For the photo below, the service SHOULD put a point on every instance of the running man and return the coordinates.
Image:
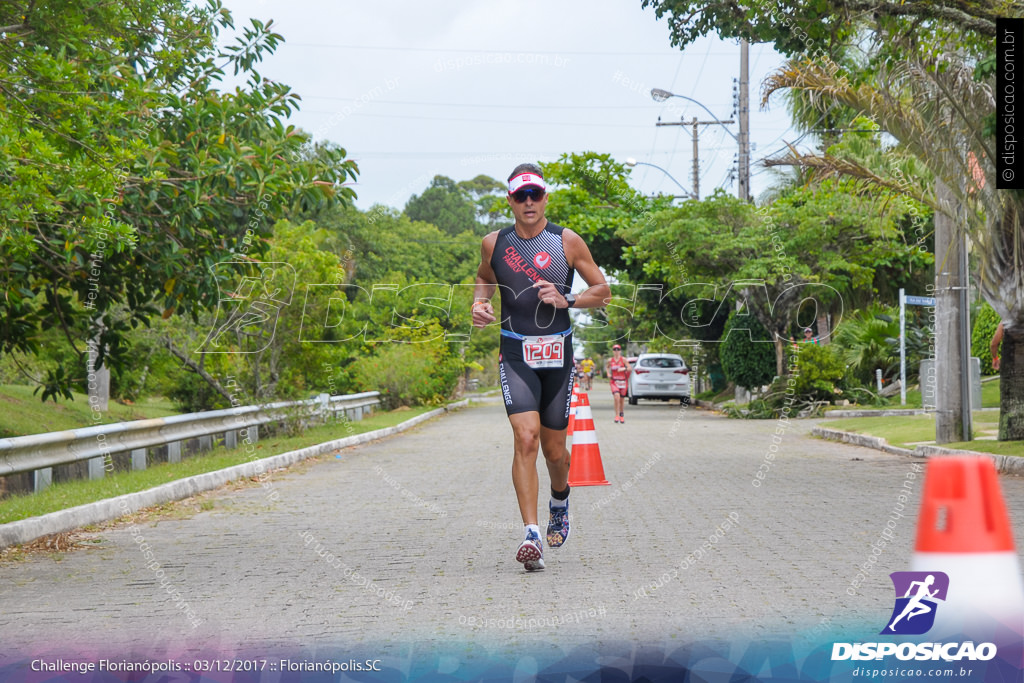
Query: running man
(915, 606)
(533, 263)
(618, 369)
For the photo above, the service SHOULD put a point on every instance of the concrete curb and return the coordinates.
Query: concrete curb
(1005, 464)
(895, 412)
(27, 530)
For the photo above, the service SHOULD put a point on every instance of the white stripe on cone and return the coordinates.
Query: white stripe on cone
(584, 437)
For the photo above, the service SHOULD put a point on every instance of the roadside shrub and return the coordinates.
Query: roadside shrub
(409, 374)
(864, 341)
(985, 324)
(819, 374)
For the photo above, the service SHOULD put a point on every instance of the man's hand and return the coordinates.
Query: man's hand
(549, 294)
(995, 363)
(483, 313)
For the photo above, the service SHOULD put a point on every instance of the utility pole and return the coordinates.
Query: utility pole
(952, 416)
(696, 166)
(744, 114)
(696, 152)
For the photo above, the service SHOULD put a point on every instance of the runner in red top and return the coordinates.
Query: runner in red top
(618, 369)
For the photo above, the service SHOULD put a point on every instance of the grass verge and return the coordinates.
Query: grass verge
(69, 494)
(908, 430)
(23, 413)
(989, 399)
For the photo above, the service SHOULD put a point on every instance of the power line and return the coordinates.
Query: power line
(402, 48)
(461, 105)
(465, 120)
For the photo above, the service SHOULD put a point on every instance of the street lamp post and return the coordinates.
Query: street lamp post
(633, 162)
(659, 95)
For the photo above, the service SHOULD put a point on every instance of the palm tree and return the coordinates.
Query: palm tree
(935, 108)
(863, 341)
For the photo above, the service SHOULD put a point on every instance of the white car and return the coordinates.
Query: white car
(661, 376)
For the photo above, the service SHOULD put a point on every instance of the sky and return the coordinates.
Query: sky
(413, 89)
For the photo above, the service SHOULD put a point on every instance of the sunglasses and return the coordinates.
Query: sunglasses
(534, 193)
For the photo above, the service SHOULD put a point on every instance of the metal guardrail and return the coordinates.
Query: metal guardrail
(40, 452)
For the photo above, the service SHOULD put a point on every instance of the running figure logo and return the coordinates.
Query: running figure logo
(914, 612)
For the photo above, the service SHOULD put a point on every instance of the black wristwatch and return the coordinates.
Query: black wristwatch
(570, 299)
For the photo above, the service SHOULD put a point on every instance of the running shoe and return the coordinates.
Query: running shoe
(558, 525)
(531, 553)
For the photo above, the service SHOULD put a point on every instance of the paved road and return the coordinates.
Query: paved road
(430, 517)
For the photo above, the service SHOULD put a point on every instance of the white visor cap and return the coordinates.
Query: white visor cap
(526, 180)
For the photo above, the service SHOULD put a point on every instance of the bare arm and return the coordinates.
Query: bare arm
(486, 284)
(997, 339)
(578, 254)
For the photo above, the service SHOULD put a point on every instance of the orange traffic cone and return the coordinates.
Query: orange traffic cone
(572, 408)
(964, 531)
(585, 468)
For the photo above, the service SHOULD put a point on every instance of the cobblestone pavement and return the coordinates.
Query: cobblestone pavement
(430, 518)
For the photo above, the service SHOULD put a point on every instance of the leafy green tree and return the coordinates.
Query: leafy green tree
(591, 195)
(445, 204)
(747, 355)
(384, 241)
(798, 27)
(824, 246)
(488, 196)
(126, 174)
(936, 99)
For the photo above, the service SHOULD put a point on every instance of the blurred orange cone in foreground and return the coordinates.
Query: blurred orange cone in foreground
(964, 530)
(585, 468)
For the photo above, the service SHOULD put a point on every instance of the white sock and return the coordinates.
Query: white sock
(532, 527)
(555, 503)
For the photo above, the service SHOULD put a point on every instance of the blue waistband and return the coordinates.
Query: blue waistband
(514, 335)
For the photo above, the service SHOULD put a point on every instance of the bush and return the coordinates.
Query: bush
(410, 373)
(190, 393)
(985, 324)
(819, 375)
(747, 359)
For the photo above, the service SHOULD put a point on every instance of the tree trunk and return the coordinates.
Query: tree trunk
(1011, 385)
(210, 379)
(780, 354)
(824, 333)
(98, 377)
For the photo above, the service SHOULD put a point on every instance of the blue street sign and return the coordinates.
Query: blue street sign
(919, 300)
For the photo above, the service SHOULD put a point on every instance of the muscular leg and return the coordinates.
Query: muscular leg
(529, 437)
(526, 428)
(556, 455)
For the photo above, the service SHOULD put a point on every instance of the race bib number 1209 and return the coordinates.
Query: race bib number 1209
(544, 352)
